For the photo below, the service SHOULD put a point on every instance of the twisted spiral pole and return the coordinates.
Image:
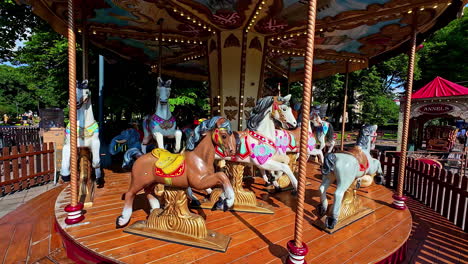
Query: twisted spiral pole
(306, 100)
(399, 199)
(72, 102)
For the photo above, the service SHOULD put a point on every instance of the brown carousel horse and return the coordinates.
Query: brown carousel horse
(194, 168)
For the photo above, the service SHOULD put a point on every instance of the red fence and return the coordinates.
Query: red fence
(25, 166)
(15, 136)
(440, 189)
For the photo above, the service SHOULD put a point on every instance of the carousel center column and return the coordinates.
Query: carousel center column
(235, 64)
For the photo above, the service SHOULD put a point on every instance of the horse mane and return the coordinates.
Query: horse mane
(258, 113)
(204, 127)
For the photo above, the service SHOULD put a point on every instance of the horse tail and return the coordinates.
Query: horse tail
(130, 156)
(328, 163)
(330, 132)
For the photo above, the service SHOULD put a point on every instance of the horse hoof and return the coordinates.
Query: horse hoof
(266, 184)
(379, 180)
(217, 205)
(330, 222)
(225, 206)
(100, 182)
(278, 189)
(117, 224)
(195, 204)
(358, 184)
(321, 210)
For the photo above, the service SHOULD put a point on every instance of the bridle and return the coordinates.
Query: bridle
(217, 138)
(277, 109)
(82, 102)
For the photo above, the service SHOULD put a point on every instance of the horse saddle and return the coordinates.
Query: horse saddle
(359, 155)
(168, 164)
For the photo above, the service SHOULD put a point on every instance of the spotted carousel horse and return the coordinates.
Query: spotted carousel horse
(194, 168)
(256, 144)
(128, 141)
(88, 133)
(162, 123)
(346, 167)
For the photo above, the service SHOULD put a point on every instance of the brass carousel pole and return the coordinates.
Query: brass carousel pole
(289, 73)
(84, 46)
(298, 249)
(74, 208)
(399, 199)
(345, 104)
(160, 23)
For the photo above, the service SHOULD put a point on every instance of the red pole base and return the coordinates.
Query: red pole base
(74, 214)
(296, 254)
(399, 202)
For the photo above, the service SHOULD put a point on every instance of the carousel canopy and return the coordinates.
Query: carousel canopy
(439, 87)
(357, 32)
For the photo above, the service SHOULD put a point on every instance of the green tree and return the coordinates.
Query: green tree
(45, 57)
(16, 22)
(444, 53)
(16, 90)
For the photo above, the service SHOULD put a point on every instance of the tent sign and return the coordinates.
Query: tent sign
(436, 109)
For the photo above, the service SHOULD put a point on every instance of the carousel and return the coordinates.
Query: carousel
(164, 209)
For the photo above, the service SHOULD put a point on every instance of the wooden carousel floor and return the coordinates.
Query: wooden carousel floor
(27, 235)
(256, 238)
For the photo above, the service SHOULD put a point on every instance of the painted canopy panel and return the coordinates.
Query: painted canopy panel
(347, 30)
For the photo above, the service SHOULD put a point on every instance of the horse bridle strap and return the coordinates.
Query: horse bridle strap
(81, 103)
(277, 108)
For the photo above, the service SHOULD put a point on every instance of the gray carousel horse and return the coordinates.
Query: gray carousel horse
(346, 167)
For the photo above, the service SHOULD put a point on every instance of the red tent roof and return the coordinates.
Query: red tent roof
(439, 87)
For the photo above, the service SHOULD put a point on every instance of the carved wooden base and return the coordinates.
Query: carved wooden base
(245, 201)
(175, 223)
(86, 185)
(351, 210)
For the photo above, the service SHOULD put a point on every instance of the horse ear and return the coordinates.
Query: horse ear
(287, 98)
(220, 121)
(84, 84)
(160, 82)
(168, 83)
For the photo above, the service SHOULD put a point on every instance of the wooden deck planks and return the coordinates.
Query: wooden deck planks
(256, 238)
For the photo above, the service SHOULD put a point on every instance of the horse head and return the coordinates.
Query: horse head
(83, 94)
(366, 136)
(221, 134)
(224, 137)
(282, 112)
(315, 117)
(164, 91)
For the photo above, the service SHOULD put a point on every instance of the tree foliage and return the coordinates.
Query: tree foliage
(16, 23)
(444, 53)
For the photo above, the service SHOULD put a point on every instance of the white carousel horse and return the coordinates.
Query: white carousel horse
(323, 131)
(256, 145)
(88, 133)
(161, 124)
(347, 167)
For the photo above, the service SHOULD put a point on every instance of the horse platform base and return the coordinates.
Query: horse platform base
(175, 223)
(245, 201)
(351, 211)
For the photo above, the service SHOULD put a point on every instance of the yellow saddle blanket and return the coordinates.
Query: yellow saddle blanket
(168, 162)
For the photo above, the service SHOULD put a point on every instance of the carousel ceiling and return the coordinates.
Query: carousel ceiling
(354, 31)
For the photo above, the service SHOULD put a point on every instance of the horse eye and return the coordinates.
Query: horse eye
(224, 136)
